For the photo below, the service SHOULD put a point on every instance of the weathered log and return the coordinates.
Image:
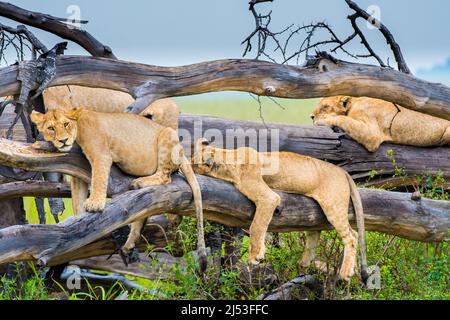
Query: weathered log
(319, 77)
(318, 142)
(388, 212)
(145, 268)
(18, 189)
(154, 233)
(285, 291)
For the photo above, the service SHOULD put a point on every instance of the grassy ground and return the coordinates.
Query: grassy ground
(408, 269)
(241, 106)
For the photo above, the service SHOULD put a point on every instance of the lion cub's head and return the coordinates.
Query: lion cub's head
(164, 112)
(58, 127)
(203, 159)
(331, 106)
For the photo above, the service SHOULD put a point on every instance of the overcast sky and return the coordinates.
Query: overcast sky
(174, 32)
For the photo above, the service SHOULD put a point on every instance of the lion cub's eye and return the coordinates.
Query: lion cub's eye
(66, 125)
(51, 129)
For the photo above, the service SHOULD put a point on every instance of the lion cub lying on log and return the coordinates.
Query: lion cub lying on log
(252, 173)
(372, 121)
(138, 145)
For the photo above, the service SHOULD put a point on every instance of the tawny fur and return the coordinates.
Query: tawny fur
(329, 185)
(164, 112)
(372, 121)
(139, 146)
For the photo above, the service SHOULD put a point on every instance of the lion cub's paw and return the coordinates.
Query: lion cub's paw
(322, 122)
(347, 271)
(155, 180)
(93, 205)
(256, 256)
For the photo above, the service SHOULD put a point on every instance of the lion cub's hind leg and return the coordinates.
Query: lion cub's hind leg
(168, 142)
(80, 192)
(336, 211)
(309, 253)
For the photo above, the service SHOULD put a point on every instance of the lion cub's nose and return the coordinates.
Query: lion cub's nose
(63, 141)
(312, 117)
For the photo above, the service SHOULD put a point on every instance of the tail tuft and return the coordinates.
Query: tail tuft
(364, 276)
(202, 262)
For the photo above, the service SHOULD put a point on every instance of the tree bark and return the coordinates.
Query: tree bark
(318, 142)
(320, 77)
(12, 213)
(58, 27)
(321, 143)
(387, 212)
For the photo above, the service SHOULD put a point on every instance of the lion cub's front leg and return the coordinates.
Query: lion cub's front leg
(168, 142)
(266, 201)
(101, 166)
(369, 136)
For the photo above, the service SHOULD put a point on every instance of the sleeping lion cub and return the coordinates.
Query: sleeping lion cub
(372, 121)
(253, 174)
(138, 145)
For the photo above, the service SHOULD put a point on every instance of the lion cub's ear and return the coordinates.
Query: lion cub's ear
(345, 100)
(74, 114)
(37, 117)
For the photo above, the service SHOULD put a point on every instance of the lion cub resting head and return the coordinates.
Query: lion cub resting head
(252, 173)
(57, 127)
(372, 121)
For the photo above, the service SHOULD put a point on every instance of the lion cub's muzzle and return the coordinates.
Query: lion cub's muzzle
(64, 145)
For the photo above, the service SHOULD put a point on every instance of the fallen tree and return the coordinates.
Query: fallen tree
(424, 220)
(318, 142)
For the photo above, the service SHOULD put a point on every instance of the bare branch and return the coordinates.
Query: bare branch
(57, 26)
(395, 47)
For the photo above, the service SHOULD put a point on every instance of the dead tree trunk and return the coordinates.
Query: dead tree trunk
(317, 142)
(322, 76)
(424, 220)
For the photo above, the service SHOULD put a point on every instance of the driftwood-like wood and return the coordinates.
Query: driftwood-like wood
(153, 267)
(57, 26)
(321, 143)
(388, 212)
(154, 234)
(18, 189)
(322, 76)
(318, 142)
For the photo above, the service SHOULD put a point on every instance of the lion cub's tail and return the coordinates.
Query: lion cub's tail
(186, 168)
(359, 213)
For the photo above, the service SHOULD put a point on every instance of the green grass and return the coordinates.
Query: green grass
(241, 106)
(31, 211)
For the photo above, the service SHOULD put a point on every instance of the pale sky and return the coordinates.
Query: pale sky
(175, 32)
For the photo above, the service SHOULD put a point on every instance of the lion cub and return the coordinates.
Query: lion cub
(253, 173)
(138, 145)
(372, 121)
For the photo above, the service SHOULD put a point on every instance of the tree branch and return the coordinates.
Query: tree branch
(426, 220)
(58, 27)
(322, 76)
(317, 142)
(395, 47)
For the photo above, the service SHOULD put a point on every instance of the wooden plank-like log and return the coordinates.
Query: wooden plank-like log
(318, 142)
(388, 212)
(154, 266)
(319, 77)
